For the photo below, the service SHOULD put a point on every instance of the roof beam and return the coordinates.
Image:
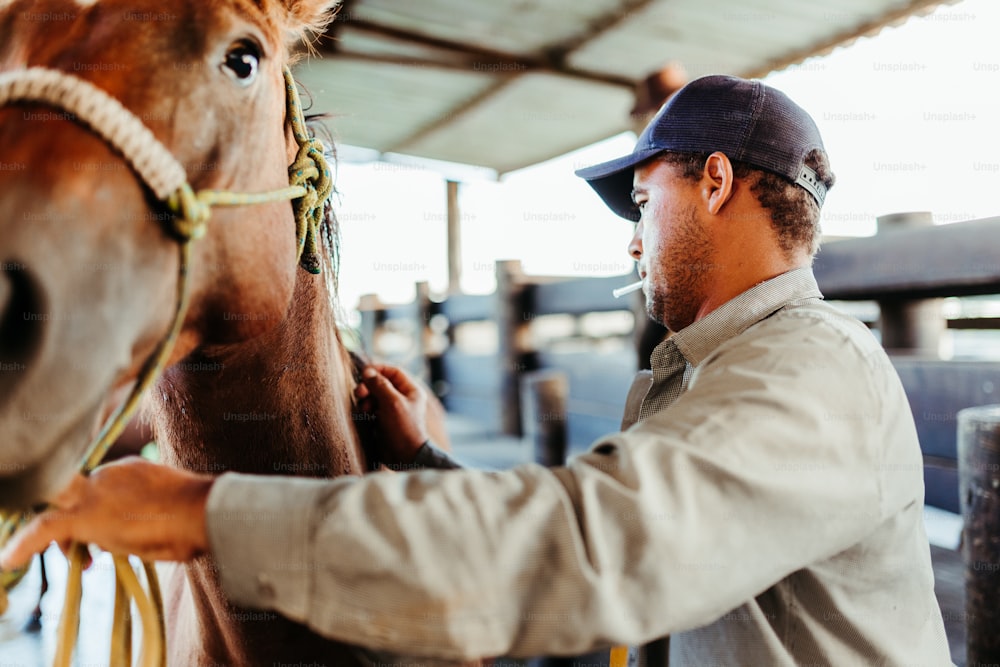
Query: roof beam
(504, 66)
(470, 55)
(597, 28)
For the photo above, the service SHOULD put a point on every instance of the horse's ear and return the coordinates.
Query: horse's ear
(312, 15)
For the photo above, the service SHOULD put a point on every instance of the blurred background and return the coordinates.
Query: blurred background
(908, 115)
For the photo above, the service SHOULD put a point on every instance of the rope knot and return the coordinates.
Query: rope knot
(191, 214)
(310, 171)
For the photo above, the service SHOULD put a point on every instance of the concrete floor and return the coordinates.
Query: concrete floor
(18, 649)
(949, 585)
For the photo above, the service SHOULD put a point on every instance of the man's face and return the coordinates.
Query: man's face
(672, 249)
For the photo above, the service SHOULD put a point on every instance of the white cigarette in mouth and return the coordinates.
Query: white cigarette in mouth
(628, 289)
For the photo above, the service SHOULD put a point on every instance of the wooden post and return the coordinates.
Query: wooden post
(369, 307)
(979, 491)
(511, 320)
(454, 240)
(421, 332)
(910, 326)
(544, 394)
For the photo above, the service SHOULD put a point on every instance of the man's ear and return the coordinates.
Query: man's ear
(309, 14)
(717, 181)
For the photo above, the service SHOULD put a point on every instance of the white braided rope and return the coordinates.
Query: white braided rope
(105, 115)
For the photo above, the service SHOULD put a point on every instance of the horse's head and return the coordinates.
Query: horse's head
(88, 262)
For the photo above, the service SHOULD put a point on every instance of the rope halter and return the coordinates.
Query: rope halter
(310, 185)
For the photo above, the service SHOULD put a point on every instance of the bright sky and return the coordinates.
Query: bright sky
(910, 118)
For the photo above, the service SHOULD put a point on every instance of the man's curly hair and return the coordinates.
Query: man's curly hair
(794, 212)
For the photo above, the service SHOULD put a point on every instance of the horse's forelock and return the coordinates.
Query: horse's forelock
(310, 15)
(299, 20)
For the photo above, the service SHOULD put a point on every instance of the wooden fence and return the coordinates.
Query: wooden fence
(476, 351)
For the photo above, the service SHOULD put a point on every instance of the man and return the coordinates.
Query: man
(765, 509)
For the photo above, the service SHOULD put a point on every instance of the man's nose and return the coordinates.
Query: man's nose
(635, 245)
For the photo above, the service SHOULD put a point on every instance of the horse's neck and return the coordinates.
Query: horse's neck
(278, 404)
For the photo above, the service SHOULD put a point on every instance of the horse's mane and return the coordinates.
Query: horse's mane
(329, 231)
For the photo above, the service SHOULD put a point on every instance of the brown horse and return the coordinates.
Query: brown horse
(259, 381)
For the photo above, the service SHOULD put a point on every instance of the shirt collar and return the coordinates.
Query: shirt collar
(732, 318)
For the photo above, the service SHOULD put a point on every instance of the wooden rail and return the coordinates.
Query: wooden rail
(906, 268)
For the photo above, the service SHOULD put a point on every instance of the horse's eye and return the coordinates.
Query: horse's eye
(241, 62)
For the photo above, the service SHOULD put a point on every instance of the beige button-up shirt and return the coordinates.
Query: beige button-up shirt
(765, 510)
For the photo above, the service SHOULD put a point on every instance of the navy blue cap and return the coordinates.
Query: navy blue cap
(747, 120)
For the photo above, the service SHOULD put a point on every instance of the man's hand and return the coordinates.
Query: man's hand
(130, 507)
(400, 405)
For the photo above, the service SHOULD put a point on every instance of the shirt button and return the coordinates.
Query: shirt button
(264, 587)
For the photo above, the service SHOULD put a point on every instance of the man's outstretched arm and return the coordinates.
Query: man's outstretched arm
(612, 548)
(131, 506)
(158, 513)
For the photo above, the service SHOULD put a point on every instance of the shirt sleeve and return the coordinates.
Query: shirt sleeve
(431, 456)
(767, 464)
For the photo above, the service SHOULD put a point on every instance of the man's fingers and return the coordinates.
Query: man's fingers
(361, 391)
(399, 378)
(34, 538)
(378, 385)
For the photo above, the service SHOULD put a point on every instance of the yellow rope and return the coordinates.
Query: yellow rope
(121, 628)
(152, 654)
(310, 186)
(619, 657)
(69, 622)
(310, 170)
(156, 597)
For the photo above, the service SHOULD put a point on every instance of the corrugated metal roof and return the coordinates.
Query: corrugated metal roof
(508, 83)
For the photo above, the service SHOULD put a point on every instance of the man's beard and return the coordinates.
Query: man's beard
(682, 266)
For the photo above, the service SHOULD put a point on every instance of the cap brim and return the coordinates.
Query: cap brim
(612, 181)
